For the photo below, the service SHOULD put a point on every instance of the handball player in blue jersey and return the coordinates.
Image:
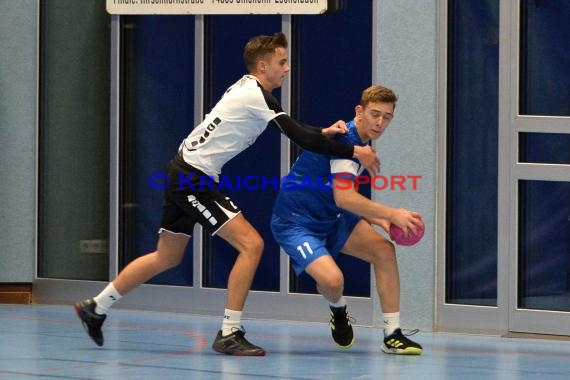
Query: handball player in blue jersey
(317, 216)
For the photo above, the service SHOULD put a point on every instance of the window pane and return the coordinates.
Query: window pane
(158, 102)
(545, 148)
(225, 39)
(544, 245)
(324, 93)
(74, 140)
(545, 57)
(472, 138)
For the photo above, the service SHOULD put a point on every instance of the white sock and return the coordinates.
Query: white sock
(391, 322)
(340, 303)
(106, 299)
(231, 322)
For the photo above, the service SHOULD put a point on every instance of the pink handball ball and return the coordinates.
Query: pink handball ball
(397, 235)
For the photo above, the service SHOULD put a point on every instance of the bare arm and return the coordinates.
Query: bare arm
(381, 222)
(348, 198)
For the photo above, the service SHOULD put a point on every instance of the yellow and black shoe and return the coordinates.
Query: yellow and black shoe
(341, 328)
(399, 344)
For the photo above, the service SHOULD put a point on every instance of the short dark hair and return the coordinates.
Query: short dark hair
(259, 46)
(378, 94)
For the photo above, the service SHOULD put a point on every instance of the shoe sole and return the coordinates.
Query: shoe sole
(348, 346)
(397, 351)
(238, 353)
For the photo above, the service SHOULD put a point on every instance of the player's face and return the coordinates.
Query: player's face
(276, 68)
(375, 118)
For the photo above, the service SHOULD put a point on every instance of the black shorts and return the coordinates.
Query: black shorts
(187, 201)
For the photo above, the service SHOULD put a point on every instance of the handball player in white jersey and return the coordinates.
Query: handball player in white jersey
(235, 122)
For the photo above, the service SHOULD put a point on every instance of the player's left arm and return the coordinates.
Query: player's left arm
(347, 197)
(381, 222)
(313, 139)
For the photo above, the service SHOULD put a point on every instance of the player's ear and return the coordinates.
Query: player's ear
(358, 111)
(259, 66)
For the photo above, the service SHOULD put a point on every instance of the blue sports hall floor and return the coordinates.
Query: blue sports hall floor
(48, 342)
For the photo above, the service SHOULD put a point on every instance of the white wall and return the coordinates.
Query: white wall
(18, 67)
(406, 56)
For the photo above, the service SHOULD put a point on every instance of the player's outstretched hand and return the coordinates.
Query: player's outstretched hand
(336, 128)
(367, 157)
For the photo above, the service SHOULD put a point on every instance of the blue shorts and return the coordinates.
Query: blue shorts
(305, 240)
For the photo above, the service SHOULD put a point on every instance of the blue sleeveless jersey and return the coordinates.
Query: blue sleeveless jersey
(306, 193)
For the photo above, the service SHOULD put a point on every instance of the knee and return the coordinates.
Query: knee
(255, 245)
(259, 245)
(333, 283)
(389, 248)
(385, 251)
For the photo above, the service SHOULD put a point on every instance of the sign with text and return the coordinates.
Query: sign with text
(219, 7)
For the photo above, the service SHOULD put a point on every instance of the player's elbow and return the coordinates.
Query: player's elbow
(340, 198)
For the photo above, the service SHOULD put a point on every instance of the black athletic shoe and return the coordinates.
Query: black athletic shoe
(341, 328)
(397, 343)
(92, 321)
(236, 344)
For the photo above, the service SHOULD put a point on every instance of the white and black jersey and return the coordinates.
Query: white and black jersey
(238, 119)
(233, 124)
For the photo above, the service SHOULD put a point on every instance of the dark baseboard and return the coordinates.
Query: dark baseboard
(511, 334)
(15, 293)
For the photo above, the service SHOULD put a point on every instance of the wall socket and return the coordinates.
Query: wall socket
(93, 246)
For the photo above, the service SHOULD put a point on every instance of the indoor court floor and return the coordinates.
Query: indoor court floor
(48, 342)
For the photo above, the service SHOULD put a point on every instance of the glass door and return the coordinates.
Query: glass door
(538, 190)
(508, 271)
